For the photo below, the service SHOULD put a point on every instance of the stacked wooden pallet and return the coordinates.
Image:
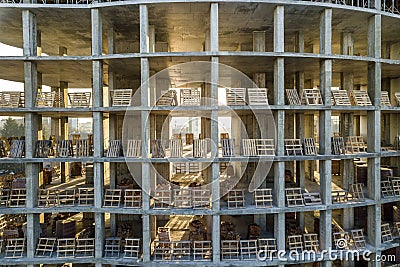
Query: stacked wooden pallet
(11, 99)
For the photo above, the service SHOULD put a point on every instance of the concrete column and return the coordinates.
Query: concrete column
(152, 39)
(31, 121)
(145, 73)
(299, 42)
(39, 43)
(374, 132)
(325, 131)
(347, 43)
(279, 99)
(98, 139)
(214, 27)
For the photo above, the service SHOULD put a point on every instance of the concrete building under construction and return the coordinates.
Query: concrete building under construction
(200, 133)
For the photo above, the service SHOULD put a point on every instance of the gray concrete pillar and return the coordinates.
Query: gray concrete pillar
(325, 131)
(374, 132)
(347, 43)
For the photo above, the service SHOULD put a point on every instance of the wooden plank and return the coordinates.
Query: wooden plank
(236, 96)
(258, 96)
(121, 97)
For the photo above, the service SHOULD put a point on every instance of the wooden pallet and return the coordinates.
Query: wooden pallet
(83, 148)
(190, 97)
(112, 198)
(17, 198)
(258, 96)
(236, 199)
(183, 198)
(386, 233)
(341, 240)
(48, 198)
(134, 149)
(80, 100)
(85, 196)
(263, 198)
(340, 98)
(45, 99)
(114, 149)
(201, 198)
(358, 239)
(295, 243)
(386, 189)
(45, 247)
(17, 149)
(310, 147)
(157, 149)
(112, 247)
(4, 197)
(396, 186)
(15, 248)
(396, 229)
(355, 144)
(65, 247)
(168, 98)
(132, 198)
(311, 97)
(339, 196)
(236, 96)
(228, 147)
(338, 146)
(360, 98)
(180, 251)
(249, 147)
(84, 248)
(357, 192)
(248, 249)
(293, 147)
(199, 148)
(311, 242)
(162, 250)
(10, 99)
(162, 198)
(202, 250)
(230, 250)
(265, 147)
(293, 97)
(132, 248)
(189, 138)
(311, 199)
(397, 97)
(64, 149)
(176, 148)
(59, 100)
(269, 246)
(66, 197)
(43, 149)
(294, 197)
(385, 100)
(121, 97)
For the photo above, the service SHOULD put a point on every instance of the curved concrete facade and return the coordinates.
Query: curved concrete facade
(278, 44)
